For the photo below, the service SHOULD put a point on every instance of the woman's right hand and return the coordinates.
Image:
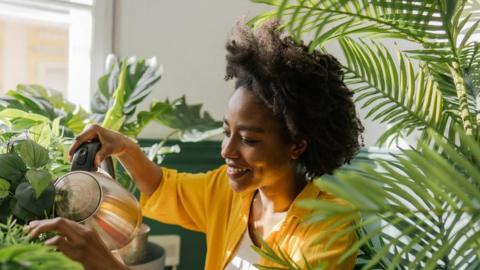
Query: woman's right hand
(113, 143)
(146, 174)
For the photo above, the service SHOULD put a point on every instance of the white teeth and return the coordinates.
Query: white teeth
(235, 170)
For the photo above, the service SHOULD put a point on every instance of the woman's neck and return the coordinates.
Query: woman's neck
(279, 197)
(267, 202)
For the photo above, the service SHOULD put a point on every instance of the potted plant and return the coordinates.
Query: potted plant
(420, 205)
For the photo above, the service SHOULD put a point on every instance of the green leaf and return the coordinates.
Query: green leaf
(35, 257)
(141, 75)
(14, 113)
(12, 167)
(19, 212)
(39, 179)
(114, 117)
(27, 199)
(42, 134)
(4, 188)
(34, 155)
(188, 119)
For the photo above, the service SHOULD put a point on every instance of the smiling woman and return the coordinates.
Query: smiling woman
(289, 119)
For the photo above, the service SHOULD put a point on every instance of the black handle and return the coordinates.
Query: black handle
(83, 159)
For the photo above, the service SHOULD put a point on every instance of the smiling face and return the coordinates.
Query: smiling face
(256, 153)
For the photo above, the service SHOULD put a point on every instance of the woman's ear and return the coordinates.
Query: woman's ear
(298, 148)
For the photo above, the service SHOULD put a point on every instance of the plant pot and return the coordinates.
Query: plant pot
(135, 252)
(154, 260)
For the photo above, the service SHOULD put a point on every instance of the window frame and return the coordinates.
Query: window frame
(101, 39)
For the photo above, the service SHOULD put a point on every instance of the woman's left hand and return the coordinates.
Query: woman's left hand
(78, 242)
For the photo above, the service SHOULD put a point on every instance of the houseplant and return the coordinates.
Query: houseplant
(420, 206)
(19, 252)
(38, 125)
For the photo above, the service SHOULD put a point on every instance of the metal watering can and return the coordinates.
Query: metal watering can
(95, 199)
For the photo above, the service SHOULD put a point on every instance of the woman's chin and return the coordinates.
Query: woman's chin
(240, 186)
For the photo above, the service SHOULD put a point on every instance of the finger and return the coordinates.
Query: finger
(91, 132)
(103, 153)
(66, 247)
(62, 226)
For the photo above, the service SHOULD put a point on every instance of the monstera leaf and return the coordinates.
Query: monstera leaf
(139, 76)
(188, 119)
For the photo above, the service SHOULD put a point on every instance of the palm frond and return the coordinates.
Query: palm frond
(406, 99)
(418, 21)
(427, 209)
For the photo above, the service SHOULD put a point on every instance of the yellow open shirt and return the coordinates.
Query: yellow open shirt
(205, 202)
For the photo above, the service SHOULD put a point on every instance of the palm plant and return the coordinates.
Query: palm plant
(420, 207)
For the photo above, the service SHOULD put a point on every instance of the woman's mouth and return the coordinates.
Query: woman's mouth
(234, 172)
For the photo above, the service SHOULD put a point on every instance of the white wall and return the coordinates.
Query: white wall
(188, 37)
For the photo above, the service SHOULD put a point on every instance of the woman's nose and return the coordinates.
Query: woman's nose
(229, 148)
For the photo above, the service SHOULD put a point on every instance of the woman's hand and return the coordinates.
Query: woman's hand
(113, 143)
(78, 242)
(146, 174)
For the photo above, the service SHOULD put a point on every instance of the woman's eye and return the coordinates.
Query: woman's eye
(249, 141)
(226, 133)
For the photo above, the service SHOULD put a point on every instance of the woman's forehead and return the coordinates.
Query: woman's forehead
(244, 106)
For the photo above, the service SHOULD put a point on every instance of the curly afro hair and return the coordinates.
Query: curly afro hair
(305, 91)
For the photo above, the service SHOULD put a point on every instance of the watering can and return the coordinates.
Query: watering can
(94, 198)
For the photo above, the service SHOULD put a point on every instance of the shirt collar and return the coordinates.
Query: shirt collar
(310, 191)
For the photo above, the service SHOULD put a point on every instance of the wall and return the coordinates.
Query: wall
(188, 38)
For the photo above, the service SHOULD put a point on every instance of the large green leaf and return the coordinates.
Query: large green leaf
(188, 119)
(19, 119)
(144, 117)
(39, 179)
(139, 77)
(34, 155)
(114, 117)
(26, 199)
(19, 212)
(12, 167)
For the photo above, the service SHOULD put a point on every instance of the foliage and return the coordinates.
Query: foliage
(420, 206)
(39, 100)
(27, 184)
(35, 257)
(41, 114)
(19, 251)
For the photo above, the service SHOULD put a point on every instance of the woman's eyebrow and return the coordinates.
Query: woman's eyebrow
(246, 127)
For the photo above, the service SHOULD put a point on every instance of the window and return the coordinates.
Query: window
(60, 44)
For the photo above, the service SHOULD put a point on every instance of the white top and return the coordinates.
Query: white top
(245, 257)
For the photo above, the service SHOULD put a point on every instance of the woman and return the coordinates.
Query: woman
(291, 118)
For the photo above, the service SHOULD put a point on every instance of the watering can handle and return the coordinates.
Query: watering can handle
(84, 157)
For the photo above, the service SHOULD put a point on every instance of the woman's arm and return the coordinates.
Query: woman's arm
(146, 174)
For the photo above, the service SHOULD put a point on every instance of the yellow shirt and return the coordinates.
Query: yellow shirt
(205, 202)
